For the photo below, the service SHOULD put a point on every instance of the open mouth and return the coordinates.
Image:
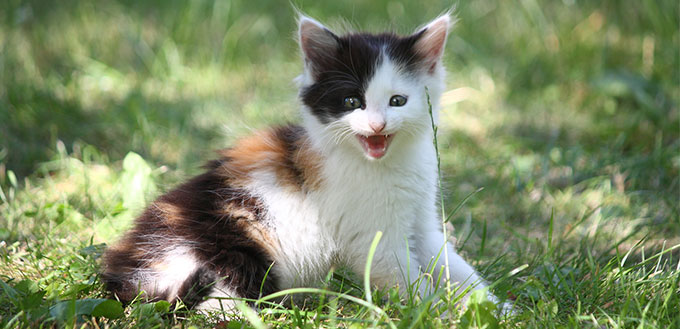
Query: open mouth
(375, 146)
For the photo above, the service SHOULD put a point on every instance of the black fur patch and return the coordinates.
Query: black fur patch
(347, 72)
(199, 222)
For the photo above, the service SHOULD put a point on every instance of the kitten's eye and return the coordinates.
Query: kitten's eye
(397, 100)
(352, 102)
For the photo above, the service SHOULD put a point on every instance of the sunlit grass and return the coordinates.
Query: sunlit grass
(564, 112)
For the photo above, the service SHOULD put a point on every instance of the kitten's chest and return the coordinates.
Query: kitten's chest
(316, 228)
(362, 200)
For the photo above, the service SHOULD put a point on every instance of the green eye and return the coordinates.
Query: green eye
(352, 102)
(397, 100)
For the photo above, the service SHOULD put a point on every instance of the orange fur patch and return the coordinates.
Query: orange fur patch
(170, 213)
(249, 223)
(261, 235)
(284, 151)
(310, 161)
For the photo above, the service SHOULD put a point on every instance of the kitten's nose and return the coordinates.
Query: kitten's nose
(377, 126)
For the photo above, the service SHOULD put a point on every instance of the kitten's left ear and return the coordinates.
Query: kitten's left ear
(431, 41)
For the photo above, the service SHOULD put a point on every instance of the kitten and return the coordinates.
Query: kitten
(289, 203)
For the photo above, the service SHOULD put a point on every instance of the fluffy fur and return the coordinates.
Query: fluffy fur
(295, 201)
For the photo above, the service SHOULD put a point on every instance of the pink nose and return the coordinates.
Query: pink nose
(377, 126)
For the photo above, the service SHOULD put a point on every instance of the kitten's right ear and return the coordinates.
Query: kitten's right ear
(432, 39)
(316, 41)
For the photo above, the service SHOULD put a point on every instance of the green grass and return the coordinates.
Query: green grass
(564, 112)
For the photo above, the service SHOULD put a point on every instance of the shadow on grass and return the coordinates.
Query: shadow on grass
(35, 121)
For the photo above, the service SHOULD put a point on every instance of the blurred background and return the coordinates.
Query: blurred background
(563, 109)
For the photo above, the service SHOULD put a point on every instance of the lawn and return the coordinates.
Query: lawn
(559, 141)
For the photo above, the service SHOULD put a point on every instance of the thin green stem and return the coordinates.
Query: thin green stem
(441, 192)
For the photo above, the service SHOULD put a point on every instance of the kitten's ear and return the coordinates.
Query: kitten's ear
(316, 41)
(431, 41)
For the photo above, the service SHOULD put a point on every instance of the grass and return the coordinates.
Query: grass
(559, 144)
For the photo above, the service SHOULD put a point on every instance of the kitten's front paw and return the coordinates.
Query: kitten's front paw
(483, 296)
(504, 309)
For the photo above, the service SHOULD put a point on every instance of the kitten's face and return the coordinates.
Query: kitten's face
(367, 91)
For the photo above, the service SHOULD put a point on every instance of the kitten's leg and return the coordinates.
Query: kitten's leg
(393, 264)
(221, 298)
(203, 290)
(175, 274)
(159, 274)
(429, 240)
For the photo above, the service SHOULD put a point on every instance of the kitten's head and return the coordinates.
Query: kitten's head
(367, 92)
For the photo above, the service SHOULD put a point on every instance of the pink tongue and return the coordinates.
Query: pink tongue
(377, 145)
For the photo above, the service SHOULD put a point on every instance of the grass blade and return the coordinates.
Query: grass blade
(369, 261)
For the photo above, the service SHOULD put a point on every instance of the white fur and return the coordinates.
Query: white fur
(168, 272)
(221, 299)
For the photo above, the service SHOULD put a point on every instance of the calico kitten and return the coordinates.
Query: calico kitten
(291, 202)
